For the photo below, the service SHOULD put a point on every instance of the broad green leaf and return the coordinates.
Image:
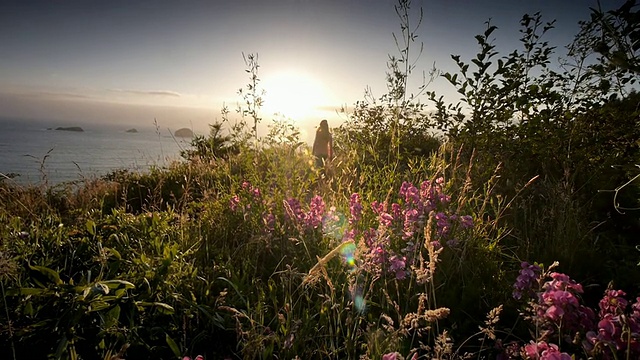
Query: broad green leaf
(112, 316)
(51, 275)
(172, 344)
(91, 227)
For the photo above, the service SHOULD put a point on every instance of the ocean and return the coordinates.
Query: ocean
(37, 152)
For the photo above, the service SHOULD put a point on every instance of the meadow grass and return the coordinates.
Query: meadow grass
(256, 255)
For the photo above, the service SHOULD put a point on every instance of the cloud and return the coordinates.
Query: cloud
(50, 95)
(147, 92)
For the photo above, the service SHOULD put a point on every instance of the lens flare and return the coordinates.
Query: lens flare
(334, 224)
(348, 252)
(359, 302)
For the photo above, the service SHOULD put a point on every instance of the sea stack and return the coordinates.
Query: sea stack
(184, 133)
(70, 128)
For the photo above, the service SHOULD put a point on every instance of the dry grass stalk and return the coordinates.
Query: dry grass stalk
(319, 268)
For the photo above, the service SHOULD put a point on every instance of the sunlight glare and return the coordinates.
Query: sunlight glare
(293, 94)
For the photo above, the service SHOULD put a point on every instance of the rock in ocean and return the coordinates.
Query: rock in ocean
(70, 128)
(184, 132)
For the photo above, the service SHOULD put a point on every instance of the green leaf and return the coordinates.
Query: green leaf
(51, 275)
(28, 309)
(113, 253)
(91, 227)
(25, 291)
(114, 284)
(162, 307)
(98, 305)
(112, 316)
(172, 344)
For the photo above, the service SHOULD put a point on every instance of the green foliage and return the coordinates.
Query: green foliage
(393, 128)
(577, 139)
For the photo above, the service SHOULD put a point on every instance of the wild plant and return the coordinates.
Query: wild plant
(561, 325)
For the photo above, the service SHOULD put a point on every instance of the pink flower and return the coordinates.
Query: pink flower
(390, 356)
(233, 203)
(355, 207)
(410, 193)
(397, 266)
(386, 219)
(554, 312)
(544, 351)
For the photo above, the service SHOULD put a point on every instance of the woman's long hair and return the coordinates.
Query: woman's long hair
(323, 131)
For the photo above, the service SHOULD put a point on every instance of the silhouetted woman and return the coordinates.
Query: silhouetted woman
(323, 144)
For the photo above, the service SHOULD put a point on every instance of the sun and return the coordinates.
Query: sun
(293, 94)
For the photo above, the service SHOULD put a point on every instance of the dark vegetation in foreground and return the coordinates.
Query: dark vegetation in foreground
(412, 246)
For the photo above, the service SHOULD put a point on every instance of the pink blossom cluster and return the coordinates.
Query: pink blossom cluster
(543, 351)
(617, 331)
(310, 219)
(355, 208)
(400, 225)
(247, 192)
(559, 307)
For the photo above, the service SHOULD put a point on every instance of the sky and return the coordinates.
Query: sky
(128, 62)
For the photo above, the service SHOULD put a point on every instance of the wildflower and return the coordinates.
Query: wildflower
(616, 331)
(558, 305)
(378, 208)
(349, 235)
(269, 221)
(613, 302)
(355, 207)
(397, 266)
(466, 221)
(410, 193)
(444, 199)
(391, 356)
(386, 219)
(316, 210)
(294, 210)
(396, 211)
(528, 276)
(411, 217)
(442, 224)
(544, 351)
(233, 203)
